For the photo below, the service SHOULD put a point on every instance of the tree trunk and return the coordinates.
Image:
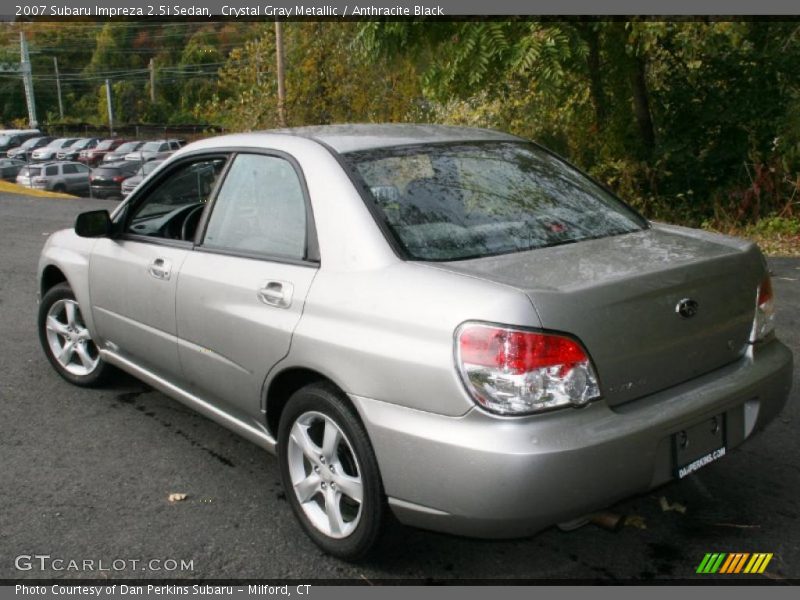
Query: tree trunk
(592, 39)
(280, 73)
(641, 103)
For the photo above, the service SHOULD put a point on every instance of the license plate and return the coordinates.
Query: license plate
(699, 445)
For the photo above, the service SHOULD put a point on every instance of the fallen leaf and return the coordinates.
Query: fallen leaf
(635, 521)
(666, 506)
(176, 497)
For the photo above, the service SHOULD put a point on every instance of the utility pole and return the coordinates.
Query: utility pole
(58, 87)
(27, 80)
(152, 81)
(110, 110)
(280, 73)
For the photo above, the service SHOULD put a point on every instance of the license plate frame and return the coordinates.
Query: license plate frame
(699, 445)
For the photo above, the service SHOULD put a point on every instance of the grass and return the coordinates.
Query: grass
(776, 236)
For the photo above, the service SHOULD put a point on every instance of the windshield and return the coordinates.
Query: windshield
(105, 145)
(81, 144)
(4, 139)
(153, 146)
(30, 143)
(458, 201)
(128, 147)
(149, 167)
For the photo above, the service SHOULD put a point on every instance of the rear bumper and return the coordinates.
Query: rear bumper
(102, 191)
(495, 477)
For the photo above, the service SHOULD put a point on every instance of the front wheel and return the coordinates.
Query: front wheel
(66, 341)
(330, 473)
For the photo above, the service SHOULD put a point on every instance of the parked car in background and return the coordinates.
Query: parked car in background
(72, 152)
(453, 324)
(151, 149)
(24, 151)
(67, 177)
(11, 139)
(106, 180)
(123, 149)
(94, 156)
(52, 149)
(9, 168)
(144, 170)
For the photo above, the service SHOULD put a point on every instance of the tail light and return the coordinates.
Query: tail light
(515, 372)
(764, 322)
(119, 178)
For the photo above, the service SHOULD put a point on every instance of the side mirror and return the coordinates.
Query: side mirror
(95, 223)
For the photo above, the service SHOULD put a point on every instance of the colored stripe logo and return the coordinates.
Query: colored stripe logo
(734, 562)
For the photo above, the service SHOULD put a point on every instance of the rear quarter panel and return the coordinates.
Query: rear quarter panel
(388, 334)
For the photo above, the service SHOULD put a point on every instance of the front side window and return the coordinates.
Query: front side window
(260, 209)
(69, 169)
(172, 208)
(467, 200)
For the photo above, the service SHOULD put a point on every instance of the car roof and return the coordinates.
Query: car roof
(354, 137)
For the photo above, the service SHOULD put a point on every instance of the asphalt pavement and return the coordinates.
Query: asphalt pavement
(86, 474)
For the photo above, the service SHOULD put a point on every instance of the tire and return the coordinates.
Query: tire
(315, 478)
(61, 325)
(59, 188)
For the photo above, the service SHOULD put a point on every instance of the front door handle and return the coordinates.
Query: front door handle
(160, 268)
(276, 293)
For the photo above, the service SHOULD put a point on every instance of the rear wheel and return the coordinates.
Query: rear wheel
(59, 187)
(66, 341)
(330, 473)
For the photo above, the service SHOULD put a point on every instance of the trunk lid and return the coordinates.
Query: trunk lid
(619, 296)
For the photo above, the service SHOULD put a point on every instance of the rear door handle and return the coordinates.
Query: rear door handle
(276, 293)
(160, 268)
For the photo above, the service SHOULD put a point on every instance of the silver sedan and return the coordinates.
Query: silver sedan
(454, 325)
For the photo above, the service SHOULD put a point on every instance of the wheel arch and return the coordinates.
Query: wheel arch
(285, 383)
(51, 277)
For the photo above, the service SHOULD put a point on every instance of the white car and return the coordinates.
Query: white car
(52, 149)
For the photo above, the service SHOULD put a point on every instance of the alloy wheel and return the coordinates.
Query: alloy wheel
(69, 340)
(325, 474)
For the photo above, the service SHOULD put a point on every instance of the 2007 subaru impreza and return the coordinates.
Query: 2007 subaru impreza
(452, 324)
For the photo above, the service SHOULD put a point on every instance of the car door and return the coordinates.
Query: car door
(70, 176)
(133, 276)
(241, 293)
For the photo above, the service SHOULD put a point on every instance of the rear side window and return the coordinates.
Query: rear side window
(51, 170)
(69, 169)
(459, 201)
(260, 209)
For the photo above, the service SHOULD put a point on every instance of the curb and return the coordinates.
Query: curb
(13, 188)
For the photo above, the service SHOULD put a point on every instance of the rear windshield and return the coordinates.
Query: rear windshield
(459, 201)
(30, 171)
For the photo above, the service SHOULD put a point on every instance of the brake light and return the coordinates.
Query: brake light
(512, 372)
(764, 322)
(118, 178)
